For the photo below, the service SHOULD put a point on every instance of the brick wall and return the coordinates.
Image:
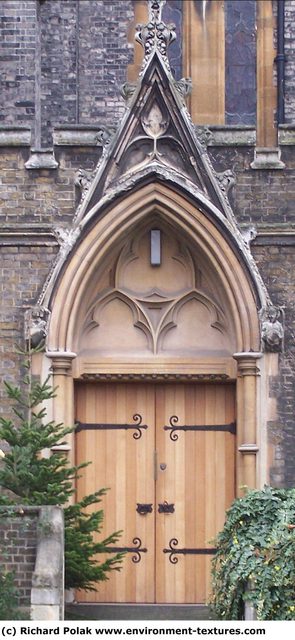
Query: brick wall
(277, 267)
(266, 199)
(290, 61)
(104, 53)
(83, 58)
(17, 59)
(59, 60)
(18, 543)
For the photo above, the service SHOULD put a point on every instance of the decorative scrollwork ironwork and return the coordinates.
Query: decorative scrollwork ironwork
(172, 557)
(138, 419)
(173, 551)
(173, 427)
(137, 550)
(138, 426)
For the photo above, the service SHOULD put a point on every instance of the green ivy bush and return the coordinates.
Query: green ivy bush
(256, 548)
(8, 597)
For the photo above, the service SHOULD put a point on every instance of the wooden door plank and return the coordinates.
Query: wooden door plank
(199, 479)
(118, 459)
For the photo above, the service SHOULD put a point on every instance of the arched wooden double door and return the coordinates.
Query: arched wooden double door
(166, 452)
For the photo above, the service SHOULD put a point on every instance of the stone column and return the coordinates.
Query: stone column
(63, 403)
(247, 409)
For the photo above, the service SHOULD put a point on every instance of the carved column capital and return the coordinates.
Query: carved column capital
(247, 363)
(61, 362)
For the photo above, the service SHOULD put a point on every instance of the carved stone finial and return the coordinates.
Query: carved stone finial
(36, 325)
(272, 331)
(155, 35)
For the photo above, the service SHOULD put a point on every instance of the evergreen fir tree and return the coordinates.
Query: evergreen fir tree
(32, 474)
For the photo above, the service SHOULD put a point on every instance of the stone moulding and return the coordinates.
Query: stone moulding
(231, 136)
(77, 135)
(15, 136)
(286, 134)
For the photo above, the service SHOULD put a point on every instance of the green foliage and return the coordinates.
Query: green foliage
(8, 598)
(81, 566)
(257, 547)
(31, 478)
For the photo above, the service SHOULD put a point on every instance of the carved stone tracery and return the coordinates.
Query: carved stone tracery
(154, 313)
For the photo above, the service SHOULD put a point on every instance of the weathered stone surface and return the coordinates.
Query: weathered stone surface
(48, 577)
(267, 158)
(13, 136)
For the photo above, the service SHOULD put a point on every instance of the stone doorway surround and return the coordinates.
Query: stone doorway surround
(249, 364)
(156, 167)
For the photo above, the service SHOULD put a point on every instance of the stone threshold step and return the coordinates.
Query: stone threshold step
(137, 612)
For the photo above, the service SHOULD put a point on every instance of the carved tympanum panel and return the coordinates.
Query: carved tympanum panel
(172, 309)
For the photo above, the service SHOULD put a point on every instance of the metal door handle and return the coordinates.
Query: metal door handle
(164, 507)
(143, 509)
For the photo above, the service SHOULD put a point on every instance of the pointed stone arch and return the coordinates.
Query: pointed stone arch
(216, 244)
(241, 293)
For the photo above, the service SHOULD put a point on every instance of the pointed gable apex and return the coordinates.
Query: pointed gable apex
(156, 135)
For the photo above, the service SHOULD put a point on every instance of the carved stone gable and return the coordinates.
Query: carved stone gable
(155, 143)
(156, 137)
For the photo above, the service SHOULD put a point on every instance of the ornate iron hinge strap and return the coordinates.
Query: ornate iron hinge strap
(174, 426)
(84, 426)
(137, 550)
(173, 551)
